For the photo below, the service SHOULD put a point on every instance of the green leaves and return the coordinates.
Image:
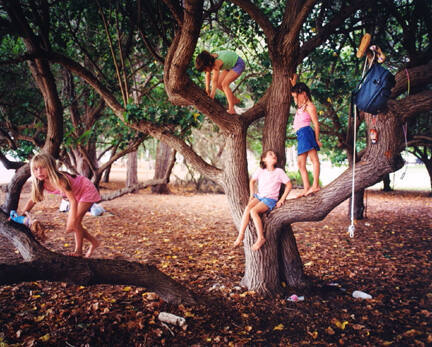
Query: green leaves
(181, 119)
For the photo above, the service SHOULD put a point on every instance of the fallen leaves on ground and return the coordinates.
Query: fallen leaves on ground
(189, 237)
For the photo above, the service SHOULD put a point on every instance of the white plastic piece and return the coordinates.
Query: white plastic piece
(96, 210)
(64, 206)
(361, 295)
(171, 319)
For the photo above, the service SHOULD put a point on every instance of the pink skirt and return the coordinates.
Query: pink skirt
(84, 190)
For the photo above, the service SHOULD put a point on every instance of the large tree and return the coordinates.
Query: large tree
(289, 40)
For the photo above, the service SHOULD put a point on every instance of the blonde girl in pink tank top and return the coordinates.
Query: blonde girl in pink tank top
(308, 138)
(80, 192)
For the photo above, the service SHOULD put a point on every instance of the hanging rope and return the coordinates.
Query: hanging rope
(351, 228)
(405, 126)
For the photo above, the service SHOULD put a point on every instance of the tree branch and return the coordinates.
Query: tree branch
(10, 165)
(328, 29)
(42, 264)
(258, 16)
(134, 188)
(131, 148)
(419, 76)
(175, 10)
(294, 27)
(178, 144)
(412, 104)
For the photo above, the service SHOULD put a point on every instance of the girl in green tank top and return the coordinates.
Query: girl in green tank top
(221, 68)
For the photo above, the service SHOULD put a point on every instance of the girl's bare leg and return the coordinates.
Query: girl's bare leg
(301, 161)
(78, 244)
(255, 214)
(94, 243)
(245, 221)
(316, 172)
(232, 100)
(82, 233)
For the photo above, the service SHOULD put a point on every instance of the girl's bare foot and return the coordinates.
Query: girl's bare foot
(312, 190)
(238, 241)
(302, 193)
(75, 254)
(231, 111)
(257, 245)
(92, 247)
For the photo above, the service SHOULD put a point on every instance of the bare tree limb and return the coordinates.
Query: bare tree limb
(329, 28)
(257, 15)
(417, 76)
(413, 104)
(42, 264)
(8, 164)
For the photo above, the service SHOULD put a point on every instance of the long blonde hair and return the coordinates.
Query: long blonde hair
(56, 177)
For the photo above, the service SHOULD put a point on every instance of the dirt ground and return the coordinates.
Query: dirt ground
(189, 236)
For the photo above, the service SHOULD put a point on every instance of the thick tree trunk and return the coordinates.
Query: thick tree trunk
(132, 169)
(263, 270)
(428, 164)
(277, 112)
(42, 264)
(165, 159)
(14, 188)
(106, 174)
(45, 81)
(359, 206)
(81, 165)
(386, 181)
(429, 170)
(107, 171)
(278, 260)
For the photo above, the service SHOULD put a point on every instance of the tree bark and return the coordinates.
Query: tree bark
(42, 264)
(14, 188)
(45, 81)
(107, 171)
(127, 190)
(165, 159)
(132, 169)
(386, 182)
(106, 174)
(359, 206)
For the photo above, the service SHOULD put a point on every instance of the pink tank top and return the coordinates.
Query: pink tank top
(301, 119)
(82, 188)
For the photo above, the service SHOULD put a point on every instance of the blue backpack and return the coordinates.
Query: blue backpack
(374, 90)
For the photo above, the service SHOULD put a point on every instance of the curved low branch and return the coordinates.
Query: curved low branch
(143, 126)
(378, 160)
(179, 145)
(413, 104)
(319, 205)
(134, 188)
(418, 76)
(87, 76)
(42, 264)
